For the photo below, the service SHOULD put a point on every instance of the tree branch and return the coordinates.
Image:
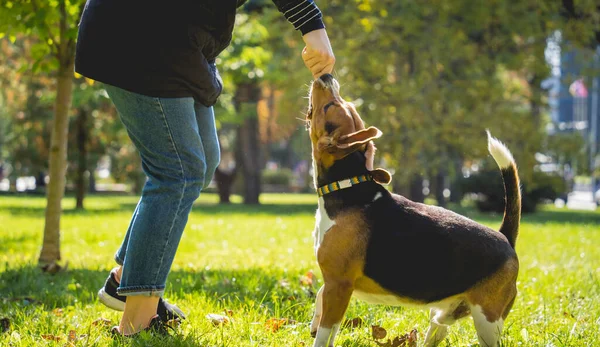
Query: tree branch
(54, 45)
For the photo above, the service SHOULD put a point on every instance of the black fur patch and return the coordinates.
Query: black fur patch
(429, 253)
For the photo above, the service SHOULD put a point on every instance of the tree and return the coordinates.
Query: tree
(54, 23)
(243, 67)
(91, 132)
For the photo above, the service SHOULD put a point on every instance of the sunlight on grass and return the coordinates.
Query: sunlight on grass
(250, 259)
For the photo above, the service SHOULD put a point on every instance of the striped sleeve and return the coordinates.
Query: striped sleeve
(303, 14)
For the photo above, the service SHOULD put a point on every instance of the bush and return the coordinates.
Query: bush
(277, 176)
(489, 188)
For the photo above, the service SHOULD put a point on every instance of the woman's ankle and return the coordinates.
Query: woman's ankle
(139, 311)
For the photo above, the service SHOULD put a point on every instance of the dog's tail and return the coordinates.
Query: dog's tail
(512, 188)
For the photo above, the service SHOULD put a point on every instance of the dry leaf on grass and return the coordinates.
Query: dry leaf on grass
(58, 312)
(72, 338)
(406, 340)
(102, 322)
(354, 323)
(50, 337)
(308, 279)
(378, 332)
(217, 319)
(273, 324)
(229, 313)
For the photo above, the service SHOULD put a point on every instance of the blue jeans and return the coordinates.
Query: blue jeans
(177, 141)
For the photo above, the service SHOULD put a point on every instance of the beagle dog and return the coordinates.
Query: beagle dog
(385, 249)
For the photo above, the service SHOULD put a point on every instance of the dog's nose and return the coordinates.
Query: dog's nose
(326, 78)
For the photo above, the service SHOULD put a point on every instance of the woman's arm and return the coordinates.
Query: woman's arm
(307, 18)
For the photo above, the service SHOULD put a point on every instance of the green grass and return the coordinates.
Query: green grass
(249, 259)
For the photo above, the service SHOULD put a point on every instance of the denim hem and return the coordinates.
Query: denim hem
(141, 290)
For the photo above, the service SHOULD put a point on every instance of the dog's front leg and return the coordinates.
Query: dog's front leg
(336, 296)
(314, 325)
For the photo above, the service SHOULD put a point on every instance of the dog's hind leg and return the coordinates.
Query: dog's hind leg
(488, 328)
(336, 296)
(441, 319)
(314, 325)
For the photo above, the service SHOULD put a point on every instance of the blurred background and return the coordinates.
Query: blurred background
(432, 75)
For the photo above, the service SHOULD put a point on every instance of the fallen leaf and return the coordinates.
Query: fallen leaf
(406, 340)
(58, 312)
(412, 337)
(354, 323)
(217, 319)
(72, 338)
(50, 337)
(102, 322)
(4, 325)
(378, 332)
(273, 324)
(229, 313)
(308, 279)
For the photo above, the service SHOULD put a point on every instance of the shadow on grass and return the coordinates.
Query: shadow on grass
(542, 216)
(28, 286)
(26, 290)
(199, 207)
(279, 209)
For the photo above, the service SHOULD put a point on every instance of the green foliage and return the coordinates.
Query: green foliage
(568, 148)
(282, 176)
(488, 186)
(249, 259)
(43, 20)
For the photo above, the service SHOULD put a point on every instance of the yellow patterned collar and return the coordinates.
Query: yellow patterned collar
(343, 184)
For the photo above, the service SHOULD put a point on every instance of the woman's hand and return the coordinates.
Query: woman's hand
(318, 55)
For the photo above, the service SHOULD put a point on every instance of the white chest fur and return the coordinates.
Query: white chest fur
(322, 224)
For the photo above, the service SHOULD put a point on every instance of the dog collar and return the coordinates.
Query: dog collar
(343, 184)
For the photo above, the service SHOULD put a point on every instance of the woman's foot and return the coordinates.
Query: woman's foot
(109, 297)
(156, 326)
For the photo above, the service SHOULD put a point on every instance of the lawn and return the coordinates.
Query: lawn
(250, 263)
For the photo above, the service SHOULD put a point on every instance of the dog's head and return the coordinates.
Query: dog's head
(337, 131)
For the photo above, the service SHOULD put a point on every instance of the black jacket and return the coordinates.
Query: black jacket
(167, 48)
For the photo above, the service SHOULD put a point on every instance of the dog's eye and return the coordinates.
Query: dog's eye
(330, 127)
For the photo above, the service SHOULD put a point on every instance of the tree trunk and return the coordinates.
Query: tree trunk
(456, 193)
(92, 181)
(248, 148)
(50, 252)
(416, 188)
(439, 187)
(249, 153)
(82, 159)
(224, 184)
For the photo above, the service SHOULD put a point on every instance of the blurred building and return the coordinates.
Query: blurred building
(574, 96)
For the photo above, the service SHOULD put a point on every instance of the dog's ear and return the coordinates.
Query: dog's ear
(358, 122)
(358, 138)
(381, 176)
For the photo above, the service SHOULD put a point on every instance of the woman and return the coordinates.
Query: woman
(157, 61)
